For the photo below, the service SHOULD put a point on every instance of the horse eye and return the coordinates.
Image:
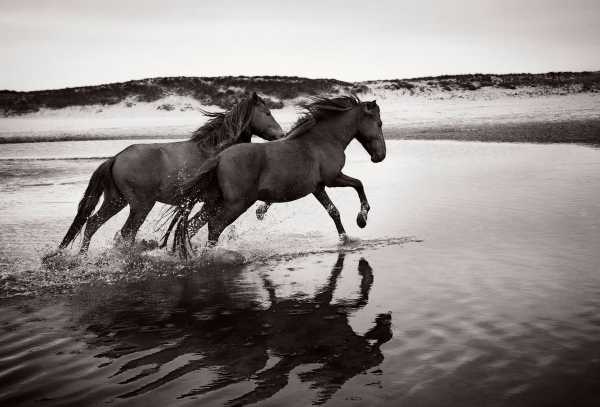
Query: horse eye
(380, 123)
(268, 113)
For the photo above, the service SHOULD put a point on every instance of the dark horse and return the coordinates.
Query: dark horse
(310, 158)
(143, 174)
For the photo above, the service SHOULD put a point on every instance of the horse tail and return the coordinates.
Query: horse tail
(99, 180)
(174, 219)
(198, 186)
(202, 184)
(181, 238)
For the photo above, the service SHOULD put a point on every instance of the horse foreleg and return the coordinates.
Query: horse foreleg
(333, 212)
(345, 181)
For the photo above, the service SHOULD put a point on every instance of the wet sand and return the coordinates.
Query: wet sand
(475, 283)
(586, 131)
(582, 131)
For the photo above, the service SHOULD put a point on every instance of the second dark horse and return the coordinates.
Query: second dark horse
(309, 159)
(144, 174)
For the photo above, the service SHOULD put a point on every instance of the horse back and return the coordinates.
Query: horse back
(156, 170)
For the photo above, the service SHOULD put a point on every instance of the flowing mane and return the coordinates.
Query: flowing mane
(224, 128)
(320, 108)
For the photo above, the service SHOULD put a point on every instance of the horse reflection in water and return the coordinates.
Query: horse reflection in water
(237, 337)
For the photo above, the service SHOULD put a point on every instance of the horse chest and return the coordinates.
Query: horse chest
(330, 169)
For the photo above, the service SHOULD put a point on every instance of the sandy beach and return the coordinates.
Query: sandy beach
(526, 114)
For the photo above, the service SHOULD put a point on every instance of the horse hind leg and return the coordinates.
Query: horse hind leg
(137, 215)
(224, 216)
(110, 207)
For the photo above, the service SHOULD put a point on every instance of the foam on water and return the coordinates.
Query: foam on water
(61, 271)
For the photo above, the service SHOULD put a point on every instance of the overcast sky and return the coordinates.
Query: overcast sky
(50, 44)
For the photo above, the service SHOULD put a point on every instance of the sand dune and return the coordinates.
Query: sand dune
(406, 113)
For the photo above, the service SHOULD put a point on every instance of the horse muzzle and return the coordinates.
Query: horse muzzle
(377, 150)
(377, 157)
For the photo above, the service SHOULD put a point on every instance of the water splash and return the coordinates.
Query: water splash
(62, 271)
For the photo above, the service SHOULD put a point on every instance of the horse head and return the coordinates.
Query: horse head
(262, 122)
(370, 133)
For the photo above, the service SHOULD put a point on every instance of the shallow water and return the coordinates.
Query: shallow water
(476, 282)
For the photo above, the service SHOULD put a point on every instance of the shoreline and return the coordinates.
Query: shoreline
(578, 131)
(583, 131)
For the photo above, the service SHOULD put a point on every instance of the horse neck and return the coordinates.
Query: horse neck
(341, 129)
(244, 137)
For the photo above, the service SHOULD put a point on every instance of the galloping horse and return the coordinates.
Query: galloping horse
(310, 158)
(143, 174)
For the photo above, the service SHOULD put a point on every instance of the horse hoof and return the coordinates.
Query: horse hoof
(361, 220)
(346, 240)
(219, 256)
(260, 213)
(148, 244)
(50, 260)
(50, 255)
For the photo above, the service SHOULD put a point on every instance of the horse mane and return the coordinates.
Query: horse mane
(319, 108)
(223, 128)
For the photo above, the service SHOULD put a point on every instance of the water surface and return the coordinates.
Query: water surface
(476, 282)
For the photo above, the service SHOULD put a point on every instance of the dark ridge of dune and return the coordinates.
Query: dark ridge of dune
(226, 90)
(219, 91)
